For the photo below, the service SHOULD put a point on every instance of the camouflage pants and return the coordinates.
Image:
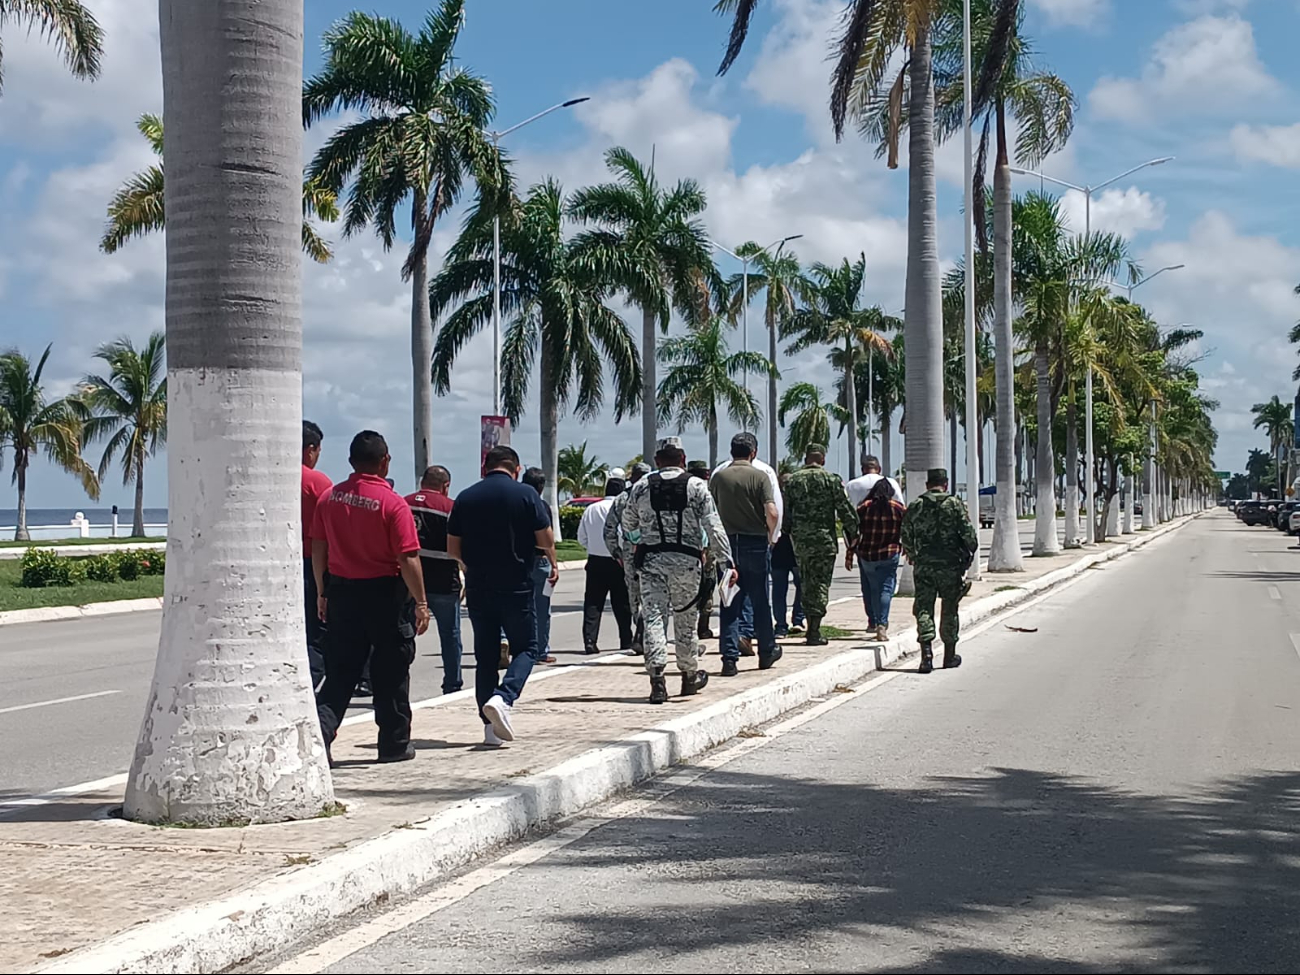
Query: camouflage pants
(633, 588)
(816, 558)
(669, 584)
(948, 584)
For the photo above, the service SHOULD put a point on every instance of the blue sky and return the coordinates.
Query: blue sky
(1212, 82)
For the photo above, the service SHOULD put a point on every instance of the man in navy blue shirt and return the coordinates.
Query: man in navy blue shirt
(495, 530)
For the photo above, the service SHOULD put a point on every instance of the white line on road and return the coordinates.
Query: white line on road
(1274, 592)
(57, 700)
(1295, 642)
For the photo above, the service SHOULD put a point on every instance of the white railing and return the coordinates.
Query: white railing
(50, 533)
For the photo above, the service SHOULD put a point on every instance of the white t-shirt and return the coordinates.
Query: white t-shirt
(776, 492)
(591, 529)
(860, 487)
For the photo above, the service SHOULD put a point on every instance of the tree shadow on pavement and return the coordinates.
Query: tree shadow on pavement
(983, 873)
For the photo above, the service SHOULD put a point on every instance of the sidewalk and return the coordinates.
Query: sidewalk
(108, 548)
(179, 900)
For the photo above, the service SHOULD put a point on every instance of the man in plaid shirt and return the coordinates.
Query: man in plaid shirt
(880, 525)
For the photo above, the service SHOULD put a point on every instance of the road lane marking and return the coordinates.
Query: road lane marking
(55, 795)
(57, 700)
(1274, 592)
(1295, 642)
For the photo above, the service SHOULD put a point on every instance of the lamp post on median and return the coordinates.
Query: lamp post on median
(496, 254)
(771, 339)
(1090, 530)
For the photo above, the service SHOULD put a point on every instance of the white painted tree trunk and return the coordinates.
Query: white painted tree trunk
(649, 431)
(1045, 540)
(1126, 525)
(421, 366)
(923, 314)
(230, 731)
(1004, 552)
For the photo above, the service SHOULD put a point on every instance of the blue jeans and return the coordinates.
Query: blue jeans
(746, 616)
(751, 555)
(542, 572)
(491, 614)
(879, 580)
(445, 608)
(780, 591)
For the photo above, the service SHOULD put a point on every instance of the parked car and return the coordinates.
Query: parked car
(1294, 527)
(1282, 520)
(1258, 513)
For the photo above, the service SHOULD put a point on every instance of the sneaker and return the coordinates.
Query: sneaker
(796, 628)
(882, 634)
(549, 658)
(694, 683)
(491, 739)
(767, 663)
(497, 711)
(729, 668)
(402, 756)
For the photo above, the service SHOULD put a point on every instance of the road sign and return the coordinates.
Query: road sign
(1222, 475)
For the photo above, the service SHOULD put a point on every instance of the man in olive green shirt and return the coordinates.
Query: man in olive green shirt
(747, 505)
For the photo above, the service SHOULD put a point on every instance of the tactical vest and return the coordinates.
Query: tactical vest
(668, 496)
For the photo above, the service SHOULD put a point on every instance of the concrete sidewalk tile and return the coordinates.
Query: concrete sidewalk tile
(72, 876)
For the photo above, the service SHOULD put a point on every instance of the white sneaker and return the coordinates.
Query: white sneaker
(497, 711)
(491, 739)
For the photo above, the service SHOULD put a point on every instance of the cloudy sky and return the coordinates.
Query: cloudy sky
(1212, 82)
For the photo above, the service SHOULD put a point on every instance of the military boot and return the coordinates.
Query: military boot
(815, 638)
(658, 687)
(694, 683)
(951, 658)
(927, 659)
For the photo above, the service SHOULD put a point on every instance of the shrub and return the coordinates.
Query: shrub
(100, 568)
(570, 515)
(153, 563)
(42, 567)
(129, 564)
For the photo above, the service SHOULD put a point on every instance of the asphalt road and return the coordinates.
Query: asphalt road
(1115, 791)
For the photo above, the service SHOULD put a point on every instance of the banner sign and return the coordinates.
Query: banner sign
(495, 430)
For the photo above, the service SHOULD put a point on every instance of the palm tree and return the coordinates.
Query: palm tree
(834, 318)
(812, 421)
(651, 241)
(137, 207)
(578, 474)
(230, 732)
(783, 284)
(1258, 467)
(557, 319)
(420, 137)
(70, 27)
(703, 380)
(864, 51)
(1043, 108)
(29, 423)
(129, 408)
(1275, 418)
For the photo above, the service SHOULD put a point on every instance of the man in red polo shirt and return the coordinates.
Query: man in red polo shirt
(375, 604)
(315, 485)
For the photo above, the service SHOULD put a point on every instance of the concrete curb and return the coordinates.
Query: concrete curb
(276, 913)
(45, 614)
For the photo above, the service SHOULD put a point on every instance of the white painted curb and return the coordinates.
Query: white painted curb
(279, 912)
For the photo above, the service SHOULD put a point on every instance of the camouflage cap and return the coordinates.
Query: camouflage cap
(669, 443)
(936, 475)
(698, 467)
(816, 448)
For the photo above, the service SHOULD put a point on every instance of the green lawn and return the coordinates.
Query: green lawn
(13, 596)
(567, 548)
(43, 543)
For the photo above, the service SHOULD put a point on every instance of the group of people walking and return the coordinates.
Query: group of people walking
(663, 544)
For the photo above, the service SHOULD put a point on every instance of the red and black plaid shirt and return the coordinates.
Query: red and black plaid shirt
(880, 526)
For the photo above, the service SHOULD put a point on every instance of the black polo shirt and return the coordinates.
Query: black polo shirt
(496, 521)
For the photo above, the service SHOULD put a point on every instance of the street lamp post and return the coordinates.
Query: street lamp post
(496, 255)
(972, 404)
(744, 328)
(1087, 191)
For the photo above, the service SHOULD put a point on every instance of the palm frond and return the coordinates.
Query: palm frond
(67, 24)
(742, 12)
(135, 210)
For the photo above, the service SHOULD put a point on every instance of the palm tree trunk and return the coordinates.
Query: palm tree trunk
(137, 518)
(230, 731)
(923, 318)
(851, 405)
(1126, 523)
(1004, 552)
(20, 470)
(886, 424)
(773, 428)
(952, 449)
(1045, 540)
(549, 421)
(713, 438)
(421, 362)
(649, 433)
(1020, 468)
(1072, 539)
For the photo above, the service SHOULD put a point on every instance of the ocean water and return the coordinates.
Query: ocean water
(46, 523)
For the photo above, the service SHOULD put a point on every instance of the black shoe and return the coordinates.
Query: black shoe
(363, 689)
(589, 651)
(782, 631)
(704, 632)
(694, 683)
(815, 638)
(766, 663)
(927, 659)
(951, 658)
(402, 756)
(729, 668)
(658, 689)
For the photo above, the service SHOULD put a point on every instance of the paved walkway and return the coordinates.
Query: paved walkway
(72, 875)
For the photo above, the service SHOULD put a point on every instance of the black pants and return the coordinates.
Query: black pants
(372, 618)
(315, 628)
(605, 578)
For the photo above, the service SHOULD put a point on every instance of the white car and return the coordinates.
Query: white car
(1293, 526)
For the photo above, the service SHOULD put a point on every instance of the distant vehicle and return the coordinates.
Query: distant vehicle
(1258, 513)
(986, 511)
(1282, 520)
(1294, 527)
(581, 502)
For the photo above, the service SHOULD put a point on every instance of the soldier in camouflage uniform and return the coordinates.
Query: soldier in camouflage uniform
(670, 519)
(814, 500)
(622, 551)
(709, 585)
(940, 542)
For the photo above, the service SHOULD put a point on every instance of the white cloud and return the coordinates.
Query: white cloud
(1122, 211)
(1199, 7)
(1073, 13)
(1210, 63)
(792, 70)
(1277, 145)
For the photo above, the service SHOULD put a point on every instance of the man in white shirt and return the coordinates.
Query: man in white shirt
(604, 573)
(860, 487)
